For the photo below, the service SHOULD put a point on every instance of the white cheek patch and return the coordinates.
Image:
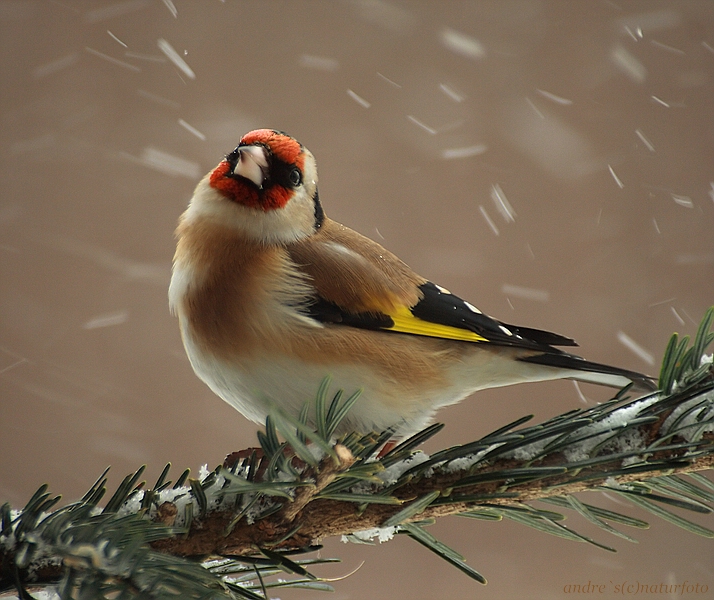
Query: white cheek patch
(295, 221)
(309, 174)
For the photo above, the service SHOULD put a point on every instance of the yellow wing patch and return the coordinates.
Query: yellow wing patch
(406, 322)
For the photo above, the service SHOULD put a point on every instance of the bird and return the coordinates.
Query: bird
(272, 297)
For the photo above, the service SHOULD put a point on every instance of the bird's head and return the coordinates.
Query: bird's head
(266, 189)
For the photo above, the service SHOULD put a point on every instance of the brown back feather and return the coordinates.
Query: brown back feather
(354, 272)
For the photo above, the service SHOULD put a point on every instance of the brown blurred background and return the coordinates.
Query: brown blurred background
(551, 161)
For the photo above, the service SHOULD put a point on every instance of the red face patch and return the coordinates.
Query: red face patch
(235, 189)
(239, 190)
(283, 148)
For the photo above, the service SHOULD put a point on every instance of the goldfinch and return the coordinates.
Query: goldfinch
(272, 296)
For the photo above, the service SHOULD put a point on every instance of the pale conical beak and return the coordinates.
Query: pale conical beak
(252, 164)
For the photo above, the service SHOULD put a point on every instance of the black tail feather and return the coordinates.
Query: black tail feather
(576, 363)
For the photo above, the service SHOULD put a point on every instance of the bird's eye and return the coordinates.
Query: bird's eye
(295, 177)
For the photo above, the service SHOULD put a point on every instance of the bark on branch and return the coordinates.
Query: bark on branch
(312, 520)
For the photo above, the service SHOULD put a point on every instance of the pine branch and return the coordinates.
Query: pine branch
(285, 498)
(504, 481)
